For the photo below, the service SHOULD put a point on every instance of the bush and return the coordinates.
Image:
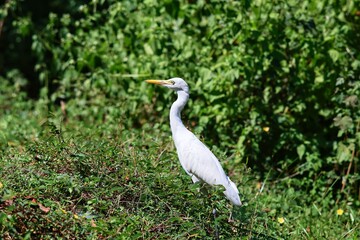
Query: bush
(276, 84)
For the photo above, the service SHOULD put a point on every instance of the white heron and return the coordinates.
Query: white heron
(196, 159)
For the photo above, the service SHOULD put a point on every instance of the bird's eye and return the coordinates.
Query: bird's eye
(172, 82)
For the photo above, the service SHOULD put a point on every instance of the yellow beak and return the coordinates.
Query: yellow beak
(158, 82)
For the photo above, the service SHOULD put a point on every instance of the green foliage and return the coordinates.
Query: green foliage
(275, 85)
(72, 180)
(271, 82)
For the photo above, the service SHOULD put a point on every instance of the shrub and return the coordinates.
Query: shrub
(276, 84)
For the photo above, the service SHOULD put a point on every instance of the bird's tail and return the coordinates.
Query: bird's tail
(232, 193)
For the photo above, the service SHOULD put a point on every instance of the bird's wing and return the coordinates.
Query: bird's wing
(197, 159)
(200, 163)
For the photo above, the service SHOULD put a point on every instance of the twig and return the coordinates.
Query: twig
(1, 26)
(348, 170)
(2, 21)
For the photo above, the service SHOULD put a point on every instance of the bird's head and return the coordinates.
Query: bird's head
(177, 84)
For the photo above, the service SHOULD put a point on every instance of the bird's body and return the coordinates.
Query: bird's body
(196, 159)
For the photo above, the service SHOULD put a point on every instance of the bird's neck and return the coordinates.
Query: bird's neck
(175, 111)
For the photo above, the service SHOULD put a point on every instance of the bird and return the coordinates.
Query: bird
(194, 156)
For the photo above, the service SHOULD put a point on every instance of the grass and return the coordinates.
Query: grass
(82, 180)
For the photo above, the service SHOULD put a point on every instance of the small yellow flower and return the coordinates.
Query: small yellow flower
(1, 185)
(76, 216)
(266, 129)
(63, 211)
(281, 220)
(339, 212)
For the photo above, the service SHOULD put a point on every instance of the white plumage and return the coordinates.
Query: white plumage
(196, 159)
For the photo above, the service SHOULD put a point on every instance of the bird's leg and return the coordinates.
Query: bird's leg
(204, 190)
(215, 223)
(230, 217)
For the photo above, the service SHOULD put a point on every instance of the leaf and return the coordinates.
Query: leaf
(43, 208)
(319, 79)
(148, 49)
(334, 54)
(9, 202)
(351, 101)
(344, 153)
(344, 123)
(301, 150)
(355, 64)
(92, 223)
